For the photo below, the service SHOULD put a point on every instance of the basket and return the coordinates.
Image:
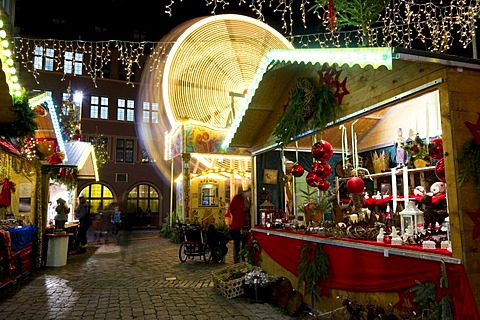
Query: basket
(235, 287)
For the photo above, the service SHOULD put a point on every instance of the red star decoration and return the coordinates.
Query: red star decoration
(341, 90)
(474, 129)
(325, 75)
(475, 216)
(405, 301)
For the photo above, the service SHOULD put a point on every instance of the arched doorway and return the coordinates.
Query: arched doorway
(145, 201)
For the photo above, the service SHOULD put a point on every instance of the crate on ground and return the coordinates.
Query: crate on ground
(230, 280)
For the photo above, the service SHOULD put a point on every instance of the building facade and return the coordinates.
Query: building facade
(110, 109)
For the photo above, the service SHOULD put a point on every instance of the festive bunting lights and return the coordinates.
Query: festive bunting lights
(404, 23)
(434, 23)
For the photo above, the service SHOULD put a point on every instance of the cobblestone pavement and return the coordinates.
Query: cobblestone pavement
(136, 275)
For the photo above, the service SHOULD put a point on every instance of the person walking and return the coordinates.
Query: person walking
(82, 213)
(240, 210)
(116, 220)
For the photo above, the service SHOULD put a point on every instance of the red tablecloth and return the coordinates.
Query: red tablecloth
(357, 270)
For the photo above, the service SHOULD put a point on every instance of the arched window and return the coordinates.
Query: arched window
(99, 195)
(144, 196)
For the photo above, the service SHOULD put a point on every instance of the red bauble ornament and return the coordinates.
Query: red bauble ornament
(440, 170)
(323, 185)
(312, 179)
(355, 185)
(321, 169)
(297, 170)
(322, 150)
(435, 148)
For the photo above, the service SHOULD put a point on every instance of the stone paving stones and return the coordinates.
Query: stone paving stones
(141, 278)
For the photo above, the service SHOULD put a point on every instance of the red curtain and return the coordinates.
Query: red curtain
(368, 271)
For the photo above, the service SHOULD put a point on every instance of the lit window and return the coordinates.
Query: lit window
(98, 107)
(150, 112)
(49, 57)
(73, 63)
(99, 195)
(125, 110)
(140, 199)
(43, 58)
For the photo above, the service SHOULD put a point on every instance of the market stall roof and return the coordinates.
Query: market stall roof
(82, 156)
(268, 95)
(78, 154)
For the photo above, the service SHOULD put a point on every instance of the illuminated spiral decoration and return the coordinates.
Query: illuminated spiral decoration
(203, 73)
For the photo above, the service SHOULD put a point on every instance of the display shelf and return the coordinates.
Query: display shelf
(406, 175)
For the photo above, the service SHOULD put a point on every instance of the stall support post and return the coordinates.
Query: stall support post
(186, 185)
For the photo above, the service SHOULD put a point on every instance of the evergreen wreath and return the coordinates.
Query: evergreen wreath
(312, 268)
(310, 106)
(24, 124)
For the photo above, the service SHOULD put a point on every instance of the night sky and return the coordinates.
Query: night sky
(118, 19)
(103, 20)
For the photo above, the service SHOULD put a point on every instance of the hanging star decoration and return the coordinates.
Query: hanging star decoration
(406, 301)
(475, 216)
(474, 129)
(330, 76)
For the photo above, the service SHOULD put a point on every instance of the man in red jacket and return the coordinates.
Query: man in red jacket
(240, 210)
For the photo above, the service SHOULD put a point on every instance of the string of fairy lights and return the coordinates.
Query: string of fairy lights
(435, 25)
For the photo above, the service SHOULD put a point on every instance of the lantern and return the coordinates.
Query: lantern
(411, 218)
(266, 212)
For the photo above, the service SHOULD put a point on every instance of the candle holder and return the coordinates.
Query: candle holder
(411, 218)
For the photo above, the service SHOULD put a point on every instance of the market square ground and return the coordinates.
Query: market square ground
(134, 276)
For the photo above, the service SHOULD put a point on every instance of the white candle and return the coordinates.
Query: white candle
(342, 127)
(356, 151)
(427, 124)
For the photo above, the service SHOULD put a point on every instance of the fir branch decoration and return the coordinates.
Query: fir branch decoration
(355, 13)
(24, 124)
(101, 150)
(312, 269)
(310, 107)
(428, 308)
(251, 252)
(470, 162)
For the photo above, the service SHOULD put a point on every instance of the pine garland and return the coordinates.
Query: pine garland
(425, 298)
(24, 124)
(312, 269)
(310, 107)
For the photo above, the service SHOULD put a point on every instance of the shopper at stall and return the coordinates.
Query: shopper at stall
(82, 213)
(240, 210)
(116, 220)
(62, 214)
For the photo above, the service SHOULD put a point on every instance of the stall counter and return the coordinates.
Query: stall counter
(369, 267)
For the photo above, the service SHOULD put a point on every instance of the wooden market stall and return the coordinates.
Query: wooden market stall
(378, 90)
